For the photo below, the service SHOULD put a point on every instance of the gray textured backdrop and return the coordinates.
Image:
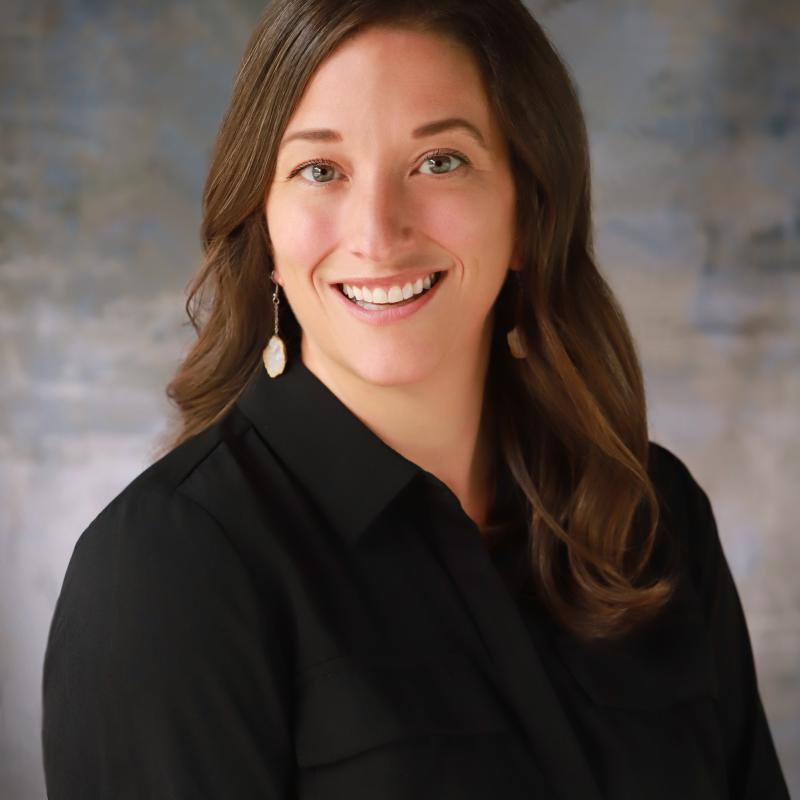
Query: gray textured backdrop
(107, 115)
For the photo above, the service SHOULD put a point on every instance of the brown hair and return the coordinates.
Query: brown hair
(570, 419)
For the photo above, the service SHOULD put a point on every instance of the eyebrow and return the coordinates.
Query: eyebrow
(429, 129)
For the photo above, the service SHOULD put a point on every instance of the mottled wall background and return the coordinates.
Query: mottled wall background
(107, 115)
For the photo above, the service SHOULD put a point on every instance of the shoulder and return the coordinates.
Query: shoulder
(155, 541)
(669, 471)
(160, 615)
(687, 519)
(179, 495)
(680, 495)
(157, 584)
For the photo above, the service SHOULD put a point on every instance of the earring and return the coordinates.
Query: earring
(515, 344)
(274, 354)
(513, 337)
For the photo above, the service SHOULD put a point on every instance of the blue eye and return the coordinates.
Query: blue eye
(320, 166)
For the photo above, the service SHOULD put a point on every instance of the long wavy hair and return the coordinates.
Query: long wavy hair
(569, 419)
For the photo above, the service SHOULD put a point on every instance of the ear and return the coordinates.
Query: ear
(515, 262)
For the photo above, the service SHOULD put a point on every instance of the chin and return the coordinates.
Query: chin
(386, 370)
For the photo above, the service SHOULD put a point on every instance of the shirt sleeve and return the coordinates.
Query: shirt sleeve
(753, 767)
(164, 672)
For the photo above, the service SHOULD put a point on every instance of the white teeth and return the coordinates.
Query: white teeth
(394, 294)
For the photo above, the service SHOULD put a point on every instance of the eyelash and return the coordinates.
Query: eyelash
(325, 163)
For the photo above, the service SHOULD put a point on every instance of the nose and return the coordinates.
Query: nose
(379, 219)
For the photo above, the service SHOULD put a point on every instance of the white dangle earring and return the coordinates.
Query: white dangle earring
(274, 354)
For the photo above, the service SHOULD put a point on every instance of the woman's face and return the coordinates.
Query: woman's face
(384, 209)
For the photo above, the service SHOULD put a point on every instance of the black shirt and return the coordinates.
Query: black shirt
(285, 607)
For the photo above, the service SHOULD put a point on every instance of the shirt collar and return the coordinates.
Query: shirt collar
(350, 471)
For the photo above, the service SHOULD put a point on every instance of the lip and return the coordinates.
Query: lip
(391, 314)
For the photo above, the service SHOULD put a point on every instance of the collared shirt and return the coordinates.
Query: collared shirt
(285, 607)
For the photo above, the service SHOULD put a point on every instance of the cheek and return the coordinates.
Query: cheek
(301, 235)
(476, 226)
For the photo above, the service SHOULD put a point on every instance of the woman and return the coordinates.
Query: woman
(411, 539)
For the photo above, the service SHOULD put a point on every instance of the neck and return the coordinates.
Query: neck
(435, 423)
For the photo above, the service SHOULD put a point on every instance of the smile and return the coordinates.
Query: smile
(377, 296)
(379, 306)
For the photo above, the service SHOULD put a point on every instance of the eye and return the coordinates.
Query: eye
(437, 157)
(320, 167)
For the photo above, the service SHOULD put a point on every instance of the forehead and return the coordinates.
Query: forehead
(393, 76)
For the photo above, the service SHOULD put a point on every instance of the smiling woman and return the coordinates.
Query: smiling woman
(432, 551)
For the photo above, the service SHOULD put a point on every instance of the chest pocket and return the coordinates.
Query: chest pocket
(356, 703)
(647, 709)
